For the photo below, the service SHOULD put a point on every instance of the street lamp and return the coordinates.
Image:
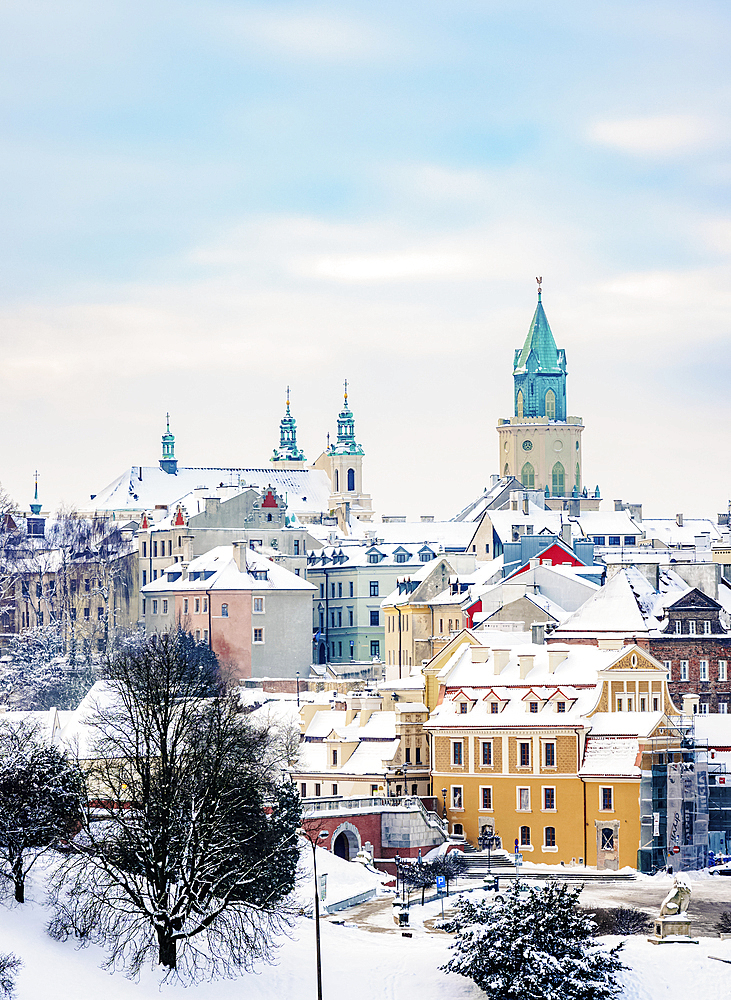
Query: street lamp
(322, 835)
(487, 840)
(298, 689)
(444, 800)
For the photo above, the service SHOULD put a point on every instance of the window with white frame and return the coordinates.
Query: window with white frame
(185, 605)
(224, 611)
(723, 707)
(668, 664)
(549, 754)
(457, 753)
(549, 799)
(525, 836)
(486, 753)
(456, 796)
(678, 626)
(197, 605)
(703, 670)
(197, 635)
(523, 754)
(703, 708)
(258, 606)
(722, 670)
(549, 836)
(606, 798)
(706, 627)
(486, 797)
(205, 605)
(619, 704)
(258, 635)
(684, 670)
(691, 626)
(164, 606)
(523, 800)
(154, 607)
(205, 635)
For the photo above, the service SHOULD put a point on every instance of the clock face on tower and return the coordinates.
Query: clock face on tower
(527, 446)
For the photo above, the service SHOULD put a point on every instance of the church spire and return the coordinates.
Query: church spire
(35, 507)
(168, 462)
(346, 443)
(288, 450)
(539, 371)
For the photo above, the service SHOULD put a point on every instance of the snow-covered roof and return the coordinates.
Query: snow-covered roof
(670, 533)
(219, 571)
(449, 535)
(640, 724)
(613, 609)
(609, 756)
(142, 488)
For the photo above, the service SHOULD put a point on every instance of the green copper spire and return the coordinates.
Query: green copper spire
(539, 371)
(288, 450)
(346, 443)
(539, 342)
(168, 462)
(35, 508)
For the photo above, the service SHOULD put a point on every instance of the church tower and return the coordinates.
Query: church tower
(343, 463)
(288, 451)
(168, 462)
(540, 445)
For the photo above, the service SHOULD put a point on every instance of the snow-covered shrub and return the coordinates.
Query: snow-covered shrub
(536, 948)
(619, 920)
(9, 965)
(723, 926)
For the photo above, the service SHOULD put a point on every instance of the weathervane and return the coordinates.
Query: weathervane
(540, 282)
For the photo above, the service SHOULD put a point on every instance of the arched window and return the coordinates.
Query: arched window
(525, 836)
(578, 477)
(351, 480)
(519, 405)
(551, 405)
(337, 482)
(506, 471)
(550, 836)
(528, 476)
(224, 611)
(558, 480)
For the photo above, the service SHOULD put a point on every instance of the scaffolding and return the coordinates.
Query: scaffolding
(674, 799)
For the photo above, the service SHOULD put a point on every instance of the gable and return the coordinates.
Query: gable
(635, 658)
(694, 600)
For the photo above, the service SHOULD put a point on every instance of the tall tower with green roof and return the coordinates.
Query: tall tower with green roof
(540, 445)
(168, 462)
(343, 463)
(288, 450)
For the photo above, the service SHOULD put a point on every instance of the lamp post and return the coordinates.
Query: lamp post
(444, 801)
(322, 835)
(298, 689)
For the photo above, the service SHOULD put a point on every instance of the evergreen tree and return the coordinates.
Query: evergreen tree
(539, 948)
(198, 851)
(40, 800)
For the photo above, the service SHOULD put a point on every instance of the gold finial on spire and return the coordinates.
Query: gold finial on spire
(345, 395)
(35, 476)
(540, 282)
(287, 399)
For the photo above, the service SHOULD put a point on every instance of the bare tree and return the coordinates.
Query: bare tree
(198, 851)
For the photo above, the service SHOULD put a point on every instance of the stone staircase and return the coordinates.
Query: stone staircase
(502, 865)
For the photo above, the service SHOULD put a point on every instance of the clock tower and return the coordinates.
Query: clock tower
(540, 445)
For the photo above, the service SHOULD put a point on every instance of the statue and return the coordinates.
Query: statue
(678, 899)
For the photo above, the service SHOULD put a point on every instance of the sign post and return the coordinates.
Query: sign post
(441, 885)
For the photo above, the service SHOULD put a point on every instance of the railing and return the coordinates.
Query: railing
(323, 804)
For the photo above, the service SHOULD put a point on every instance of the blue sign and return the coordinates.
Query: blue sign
(441, 882)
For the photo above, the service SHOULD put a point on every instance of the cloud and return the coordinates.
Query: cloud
(657, 136)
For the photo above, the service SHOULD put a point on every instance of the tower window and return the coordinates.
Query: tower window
(558, 480)
(551, 404)
(528, 476)
(337, 482)
(519, 405)
(351, 480)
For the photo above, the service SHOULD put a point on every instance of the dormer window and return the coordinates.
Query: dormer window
(373, 557)
(691, 627)
(533, 707)
(678, 626)
(560, 706)
(494, 708)
(463, 708)
(402, 557)
(706, 627)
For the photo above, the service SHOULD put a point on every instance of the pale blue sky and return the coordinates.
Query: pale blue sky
(202, 202)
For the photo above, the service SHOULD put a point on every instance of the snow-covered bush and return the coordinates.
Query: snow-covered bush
(9, 966)
(39, 676)
(536, 948)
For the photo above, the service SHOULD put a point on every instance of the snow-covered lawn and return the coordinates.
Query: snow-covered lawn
(366, 963)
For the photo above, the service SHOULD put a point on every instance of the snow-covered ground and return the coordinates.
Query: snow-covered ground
(382, 964)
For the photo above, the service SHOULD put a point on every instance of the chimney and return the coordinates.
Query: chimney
(500, 658)
(566, 534)
(480, 654)
(618, 505)
(426, 518)
(679, 520)
(538, 633)
(212, 504)
(240, 556)
(525, 504)
(526, 664)
(690, 704)
(556, 657)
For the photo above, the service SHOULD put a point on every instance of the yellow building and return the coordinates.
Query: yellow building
(544, 746)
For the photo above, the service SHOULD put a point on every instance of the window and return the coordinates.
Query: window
(408, 755)
(296, 546)
(703, 670)
(224, 611)
(607, 839)
(73, 615)
(402, 557)
(534, 707)
(441, 624)
(678, 626)
(550, 405)
(558, 480)
(487, 754)
(205, 635)
(350, 585)
(144, 580)
(723, 708)
(375, 648)
(352, 649)
(375, 618)
(528, 476)
(606, 799)
(549, 836)
(560, 706)
(630, 539)
(599, 540)
(525, 836)
(668, 664)
(351, 480)
(74, 587)
(463, 708)
(322, 591)
(335, 758)
(691, 627)
(335, 789)
(303, 789)
(197, 605)
(418, 755)
(706, 627)
(549, 754)
(655, 704)
(154, 548)
(549, 799)
(258, 635)
(524, 754)
(39, 589)
(144, 550)
(340, 649)
(100, 612)
(39, 617)
(722, 670)
(332, 590)
(205, 605)
(374, 789)
(154, 607)
(643, 704)
(373, 588)
(494, 708)
(524, 799)
(629, 704)
(340, 617)
(318, 789)
(350, 616)
(684, 670)
(373, 557)
(185, 605)
(457, 753)
(154, 574)
(619, 704)
(703, 708)
(615, 540)
(456, 796)
(486, 798)
(164, 607)
(340, 590)
(144, 606)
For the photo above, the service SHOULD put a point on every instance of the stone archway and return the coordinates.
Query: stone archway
(346, 841)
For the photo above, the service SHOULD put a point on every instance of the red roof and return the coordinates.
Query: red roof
(179, 520)
(269, 500)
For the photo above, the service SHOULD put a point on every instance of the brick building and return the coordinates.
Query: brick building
(695, 647)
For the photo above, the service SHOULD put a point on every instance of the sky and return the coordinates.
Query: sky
(204, 202)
